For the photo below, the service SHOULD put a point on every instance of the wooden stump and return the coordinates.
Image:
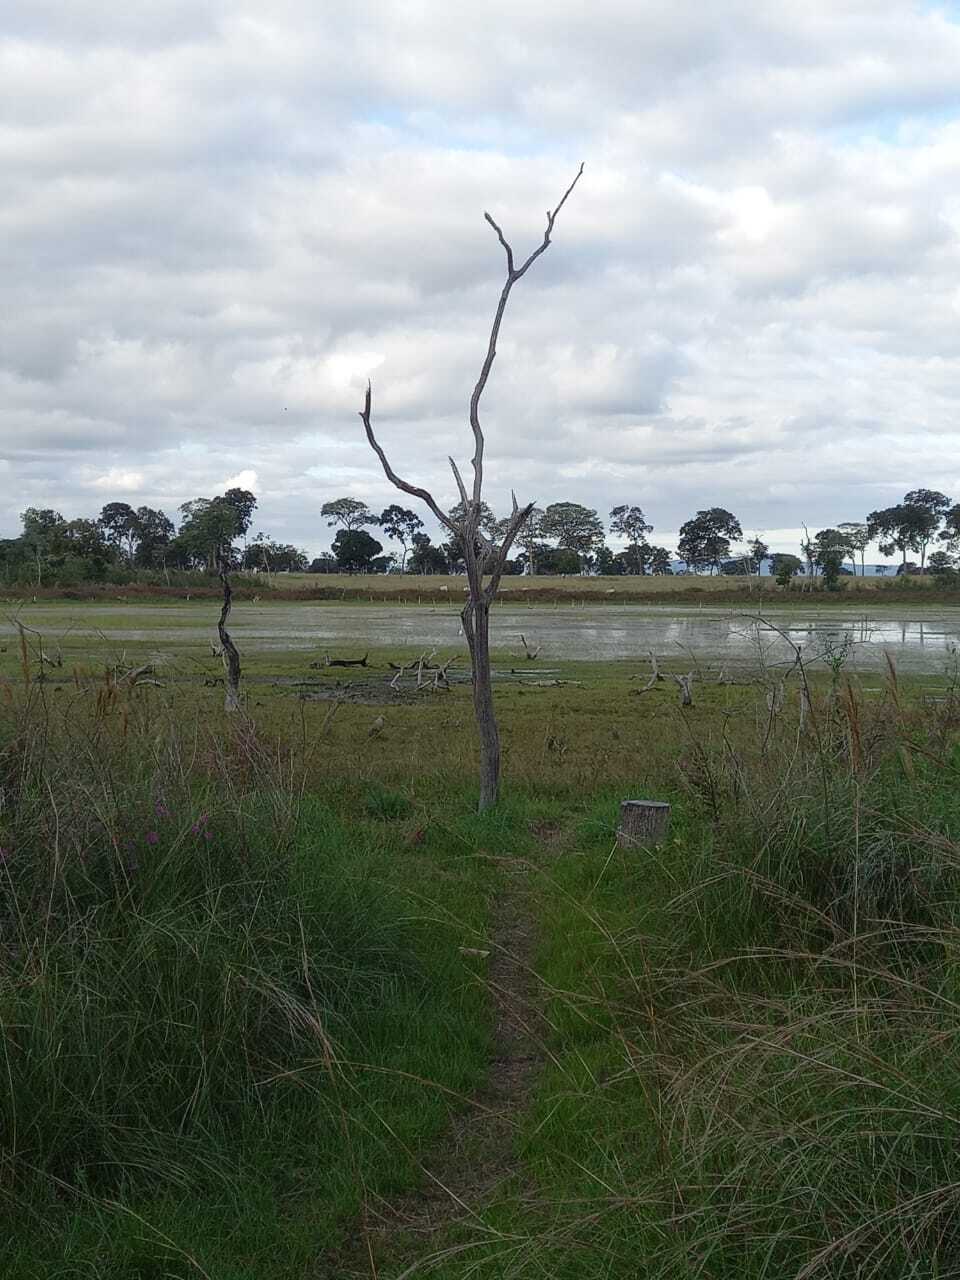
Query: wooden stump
(642, 822)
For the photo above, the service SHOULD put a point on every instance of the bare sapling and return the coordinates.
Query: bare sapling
(483, 558)
(231, 656)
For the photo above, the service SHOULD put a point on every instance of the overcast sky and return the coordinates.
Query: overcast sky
(217, 218)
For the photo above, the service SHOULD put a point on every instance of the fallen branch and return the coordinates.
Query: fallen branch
(341, 662)
(654, 677)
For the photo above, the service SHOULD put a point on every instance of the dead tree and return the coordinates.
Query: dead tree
(686, 689)
(530, 654)
(231, 657)
(484, 559)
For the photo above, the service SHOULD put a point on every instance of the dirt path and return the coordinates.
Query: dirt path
(476, 1156)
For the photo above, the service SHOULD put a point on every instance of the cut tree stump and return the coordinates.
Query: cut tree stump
(642, 822)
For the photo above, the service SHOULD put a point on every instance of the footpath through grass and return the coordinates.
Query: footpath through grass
(242, 983)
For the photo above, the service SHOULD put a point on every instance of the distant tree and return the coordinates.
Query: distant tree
(630, 523)
(42, 525)
(636, 557)
(941, 562)
(348, 512)
(355, 549)
(529, 540)
(705, 540)
(487, 522)
(84, 541)
(425, 557)
(808, 549)
(830, 566)
(661, 561)
(831, 545)
(244, 503)
(324, 563)
(936, 505)
(857, 535)
(573, 528)
(207, 531)
(785, 567)
(758, 552)
(400, 524)
(154, 532)
(273, 557)
(118, 521)
(556, 561)
(901, 528)
(604, 561)
(950, 534)
(42, 537)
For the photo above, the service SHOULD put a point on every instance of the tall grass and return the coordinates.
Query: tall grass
(755, 1025)
(196, 961)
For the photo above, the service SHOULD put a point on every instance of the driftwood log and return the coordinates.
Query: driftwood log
(642, 822)
(342, 662)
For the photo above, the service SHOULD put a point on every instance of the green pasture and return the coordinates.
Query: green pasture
(248, 968)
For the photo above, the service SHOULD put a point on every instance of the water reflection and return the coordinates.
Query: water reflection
(917, 640)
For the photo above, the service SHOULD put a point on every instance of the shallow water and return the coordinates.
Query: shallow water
(919, 640)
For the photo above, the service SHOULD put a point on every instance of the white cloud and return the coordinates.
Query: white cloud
(246, 479)
(116, 478)
(218, 219)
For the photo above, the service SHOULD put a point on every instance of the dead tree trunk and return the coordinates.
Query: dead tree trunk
(642, 822)
(686, 689)
(484, 560)
(476, 627)
(231, 657)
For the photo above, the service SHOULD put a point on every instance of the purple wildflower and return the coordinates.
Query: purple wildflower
(162, 810)
(152, 837)
(4, 855)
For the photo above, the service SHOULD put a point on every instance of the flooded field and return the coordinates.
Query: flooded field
(920, 640)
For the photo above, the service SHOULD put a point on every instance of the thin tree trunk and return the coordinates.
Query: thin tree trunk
(476, 628)
(231, 657)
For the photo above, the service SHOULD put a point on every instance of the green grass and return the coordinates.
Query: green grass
(216, 1050)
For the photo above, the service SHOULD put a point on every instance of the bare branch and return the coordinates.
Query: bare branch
(412, 489)
(459, 479)
(513, 275)
(517, 521)
(500, 237)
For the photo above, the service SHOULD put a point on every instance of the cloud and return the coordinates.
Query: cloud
(218, 220)
(246, 479)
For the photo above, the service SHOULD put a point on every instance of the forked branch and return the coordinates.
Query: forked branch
(513, 275)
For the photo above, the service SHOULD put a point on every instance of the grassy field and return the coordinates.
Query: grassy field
(438, 588)
(278, 1003)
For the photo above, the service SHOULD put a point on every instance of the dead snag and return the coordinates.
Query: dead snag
(484, 559)
(231, 657)
(686, 689)
(642, 822)
(530, 654)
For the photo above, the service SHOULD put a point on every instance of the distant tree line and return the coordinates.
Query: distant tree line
(124, 541)
(562, 538)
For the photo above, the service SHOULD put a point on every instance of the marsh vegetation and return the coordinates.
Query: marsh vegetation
(277, 1001)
